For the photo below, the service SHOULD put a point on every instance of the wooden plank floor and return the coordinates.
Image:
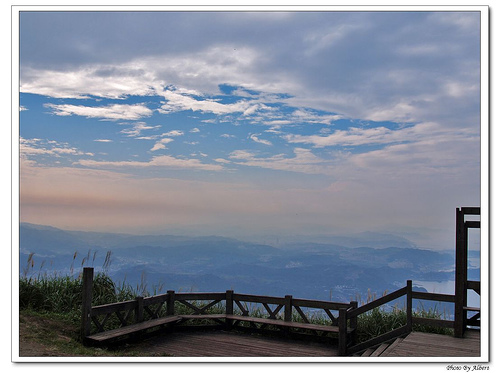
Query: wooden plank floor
(227, 344)
(436, 345)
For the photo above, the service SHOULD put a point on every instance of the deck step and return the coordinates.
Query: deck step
(392, 346)
(368, 352)
(380, 349)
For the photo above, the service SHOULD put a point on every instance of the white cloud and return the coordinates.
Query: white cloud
(359, 136)
(311, 117)
(260, 141)
(173, 133)
(108, 81)
(163, 161)
(153, 137)
(36, 147)
(222, 160)
(303, 161)
(110, 112)
(137, 129)
(195, 130)
(351, 137)
(181, 102)
(161, 144)
(103, 140)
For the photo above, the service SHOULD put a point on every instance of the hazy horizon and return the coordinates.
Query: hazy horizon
(251, 123)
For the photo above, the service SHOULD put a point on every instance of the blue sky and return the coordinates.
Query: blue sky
(250, 123)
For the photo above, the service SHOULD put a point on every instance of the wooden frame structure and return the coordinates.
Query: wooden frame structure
(462, 283)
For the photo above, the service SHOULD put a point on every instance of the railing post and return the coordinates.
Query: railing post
(460, 272)
(171, 302)
(342, 331)
(139, 311)
(353, 321)
(288, 308)
(87, 283)
(229, 308)
(409, 306)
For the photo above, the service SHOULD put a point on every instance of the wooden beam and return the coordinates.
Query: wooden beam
(471, 210)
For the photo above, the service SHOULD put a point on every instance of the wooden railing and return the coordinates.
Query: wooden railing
(410, 318)
(288, 315)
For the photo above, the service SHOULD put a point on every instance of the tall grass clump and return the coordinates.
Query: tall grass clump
(52, 292)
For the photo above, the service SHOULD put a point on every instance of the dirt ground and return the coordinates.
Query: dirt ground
(41, 336)
(34, 332)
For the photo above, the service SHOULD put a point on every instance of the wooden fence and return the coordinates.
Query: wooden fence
(287, 315)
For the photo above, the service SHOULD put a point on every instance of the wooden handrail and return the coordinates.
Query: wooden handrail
(113, 307)
(258, 298)
(378, 302)
(319, 304)
(434, 296)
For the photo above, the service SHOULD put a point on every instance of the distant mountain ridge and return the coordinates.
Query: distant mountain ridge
(318, 270)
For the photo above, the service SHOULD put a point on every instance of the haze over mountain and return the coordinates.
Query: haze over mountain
(327, 268)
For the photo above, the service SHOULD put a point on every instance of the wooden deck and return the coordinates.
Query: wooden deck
(436, 345)
(230, 344)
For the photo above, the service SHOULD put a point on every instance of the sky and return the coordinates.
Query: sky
(251, 123)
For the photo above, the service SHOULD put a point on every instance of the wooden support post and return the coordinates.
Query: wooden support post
(288, 308)
(460, 273)
(409, 306)
(229, 302)
(139, 311)
(342, 331)
(87, 283)
(171, 302)
(229, 307)
(353, 323)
